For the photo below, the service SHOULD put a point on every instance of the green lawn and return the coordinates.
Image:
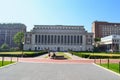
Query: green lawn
(112, 66)
(5, 63)
(62, 53)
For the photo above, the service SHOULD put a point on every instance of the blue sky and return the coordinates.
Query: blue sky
(59, 12)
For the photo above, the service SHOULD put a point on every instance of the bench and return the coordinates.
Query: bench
(58, 57)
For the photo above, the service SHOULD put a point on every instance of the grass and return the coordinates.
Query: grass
(62, 53)
(112, 66)
(5, 63)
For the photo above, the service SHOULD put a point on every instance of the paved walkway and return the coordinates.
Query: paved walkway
(46, 71)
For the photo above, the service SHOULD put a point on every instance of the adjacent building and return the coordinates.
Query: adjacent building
(102, 29)
(58, 38)
(111, 43)
(7, 32)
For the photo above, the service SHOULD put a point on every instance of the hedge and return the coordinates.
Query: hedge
(24, 55)
(95, 55)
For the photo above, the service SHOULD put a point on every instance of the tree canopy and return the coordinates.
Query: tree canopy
(4, 46)
(97, 39)
(19, 38)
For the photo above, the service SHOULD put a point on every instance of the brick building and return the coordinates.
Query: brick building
(102, 29)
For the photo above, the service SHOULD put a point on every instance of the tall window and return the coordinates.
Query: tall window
(35, 38)
(78, 39)
(58, 39)
(39, 39)
(62, 39)
(74, 39)
(42, 39)
(81, 39)
(68, 39)
(55, 39)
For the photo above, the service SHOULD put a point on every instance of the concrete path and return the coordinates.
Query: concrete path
(70, 55)
(46, 71)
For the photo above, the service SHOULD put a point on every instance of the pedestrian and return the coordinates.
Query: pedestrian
(49, 55)
(72, 53)
(54, 55)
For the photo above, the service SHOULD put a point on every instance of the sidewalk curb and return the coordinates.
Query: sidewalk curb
(106, 69)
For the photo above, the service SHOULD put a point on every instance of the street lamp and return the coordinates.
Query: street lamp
(22, 48)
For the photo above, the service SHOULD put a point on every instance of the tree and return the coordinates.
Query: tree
(96, 44)
(97, 40)
(4, 46)
(18, 39)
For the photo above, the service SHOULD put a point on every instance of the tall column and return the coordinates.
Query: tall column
(60, 39)
(44, 39)
(63, 39)
(47, 40)
(69, 39)
(76, 39)
(66, 39)
(33, 39)
(83, 42)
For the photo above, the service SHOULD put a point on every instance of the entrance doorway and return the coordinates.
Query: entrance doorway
(58, 49)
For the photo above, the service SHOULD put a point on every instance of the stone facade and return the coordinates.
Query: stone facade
(7, 32)
(58, 38)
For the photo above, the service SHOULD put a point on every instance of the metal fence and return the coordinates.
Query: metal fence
(9, 59)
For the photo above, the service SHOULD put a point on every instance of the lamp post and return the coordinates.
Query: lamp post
(22, 48)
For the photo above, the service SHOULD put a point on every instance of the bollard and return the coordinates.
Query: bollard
(11, 60)
(119, 67)
(100, 61)
(2, 61)
(17, 59)
(94, 60)
(108, 63)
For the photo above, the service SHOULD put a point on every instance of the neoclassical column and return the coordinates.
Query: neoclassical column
(43, 39)
(71, 39)
(63, 39)
(67, 39)
(47, 40)
(60, 40)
